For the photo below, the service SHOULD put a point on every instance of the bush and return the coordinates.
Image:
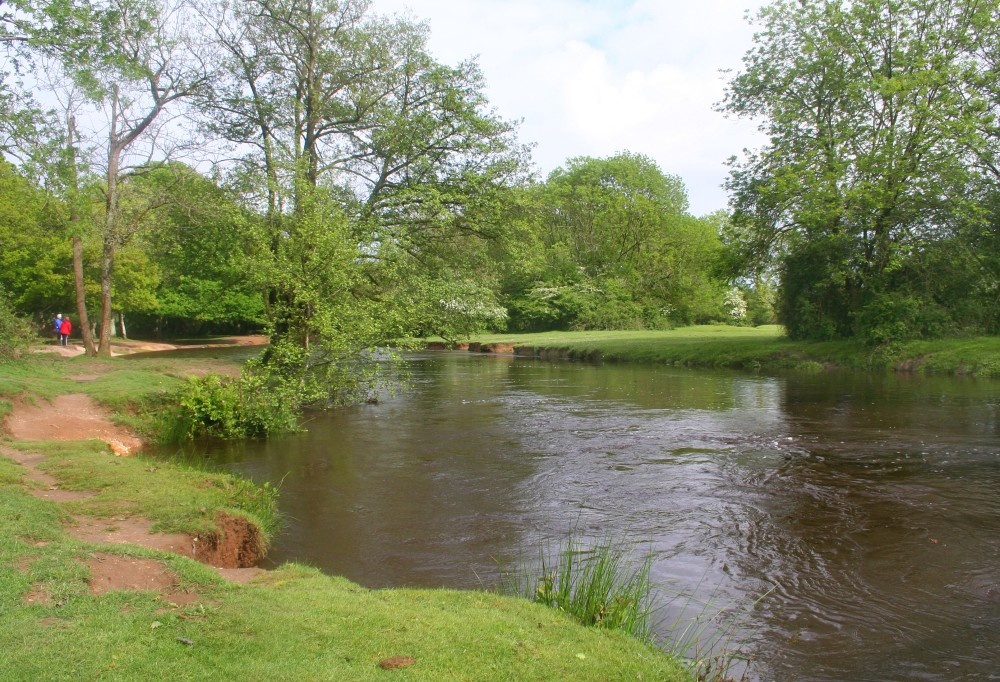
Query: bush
(259, 403)
(15, 331)
(578, 306)
(271, 393)
(225, 407)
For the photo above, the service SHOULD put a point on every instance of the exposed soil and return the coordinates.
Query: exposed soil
(112, 572)
(233, 550)
(74, 416)
(129, 346)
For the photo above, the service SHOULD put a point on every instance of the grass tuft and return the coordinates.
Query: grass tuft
(598, 585)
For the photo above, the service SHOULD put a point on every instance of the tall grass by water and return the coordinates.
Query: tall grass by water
(598, 585)
(602, 585)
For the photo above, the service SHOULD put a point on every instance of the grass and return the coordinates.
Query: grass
(293, 624)
(761, 348)
(134, 389)
(176, 498)
(600, 584)
(597, 585)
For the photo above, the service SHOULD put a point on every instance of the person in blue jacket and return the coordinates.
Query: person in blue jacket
(57, 326)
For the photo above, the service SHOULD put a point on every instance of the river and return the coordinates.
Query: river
(829, 526)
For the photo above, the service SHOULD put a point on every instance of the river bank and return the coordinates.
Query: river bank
(104, 574)
(755, 348)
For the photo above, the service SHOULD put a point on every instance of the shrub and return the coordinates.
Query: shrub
(15, 332)
(225, 407)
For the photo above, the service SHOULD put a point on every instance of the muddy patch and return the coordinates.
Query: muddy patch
(130, 530)
(39, 596)
(109, 572)
(237, 544)
(74, 416)
(85, 377)
(396, 662)
(241, 576)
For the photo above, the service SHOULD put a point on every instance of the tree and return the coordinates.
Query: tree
(200, 244)
(872, 123)
(358, 143)
(34, 260)
(621, 250)
(135, 63)
(44, 148)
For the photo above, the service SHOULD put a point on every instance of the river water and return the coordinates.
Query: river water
(830, 527)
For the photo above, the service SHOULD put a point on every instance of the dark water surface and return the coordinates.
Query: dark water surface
(839, 527)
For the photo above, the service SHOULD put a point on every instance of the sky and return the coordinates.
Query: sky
(597, 77)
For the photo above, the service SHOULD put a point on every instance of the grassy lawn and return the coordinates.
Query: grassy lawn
(293, 623)
(764, 348)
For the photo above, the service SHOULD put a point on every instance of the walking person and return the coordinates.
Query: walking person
(65, 329)
(57, 326)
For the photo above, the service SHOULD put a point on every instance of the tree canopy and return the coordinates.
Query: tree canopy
(616, 248)
(880, 117)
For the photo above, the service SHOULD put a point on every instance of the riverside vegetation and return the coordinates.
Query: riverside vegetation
(763, 348)
(290, 623)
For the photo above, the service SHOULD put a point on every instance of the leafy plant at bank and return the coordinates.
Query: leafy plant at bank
(271, 393)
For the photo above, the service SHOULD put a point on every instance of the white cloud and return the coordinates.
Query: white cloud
(594, 77)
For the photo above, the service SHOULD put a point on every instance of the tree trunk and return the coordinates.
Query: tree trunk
(107, 267)
(81, 297)
(74, 221)
(110, 233)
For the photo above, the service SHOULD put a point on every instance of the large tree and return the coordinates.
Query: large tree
(356, 138)
(873, 124)
(199, 244)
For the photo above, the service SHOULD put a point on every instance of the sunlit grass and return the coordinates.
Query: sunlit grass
(292, 624)
(762, 348)
(177, 498)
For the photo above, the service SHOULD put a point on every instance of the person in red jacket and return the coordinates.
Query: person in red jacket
(65, 329)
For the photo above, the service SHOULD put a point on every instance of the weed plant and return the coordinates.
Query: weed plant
(601, 586)
(597, 585)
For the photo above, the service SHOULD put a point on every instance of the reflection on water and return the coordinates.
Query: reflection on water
(866, 509)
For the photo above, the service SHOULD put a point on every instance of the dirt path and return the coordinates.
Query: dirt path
(121, 347)
(74, 416)
(79, 417)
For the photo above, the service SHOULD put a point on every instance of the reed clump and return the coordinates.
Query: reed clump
(599, 585)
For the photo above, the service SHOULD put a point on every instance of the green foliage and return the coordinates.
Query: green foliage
(199, 243)
(35, 266)
(15, 332)
(271, 392)
(880, 119)
(251, 406)
(817, 291)
(597, 585)
(603, 304)
(615, 250)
